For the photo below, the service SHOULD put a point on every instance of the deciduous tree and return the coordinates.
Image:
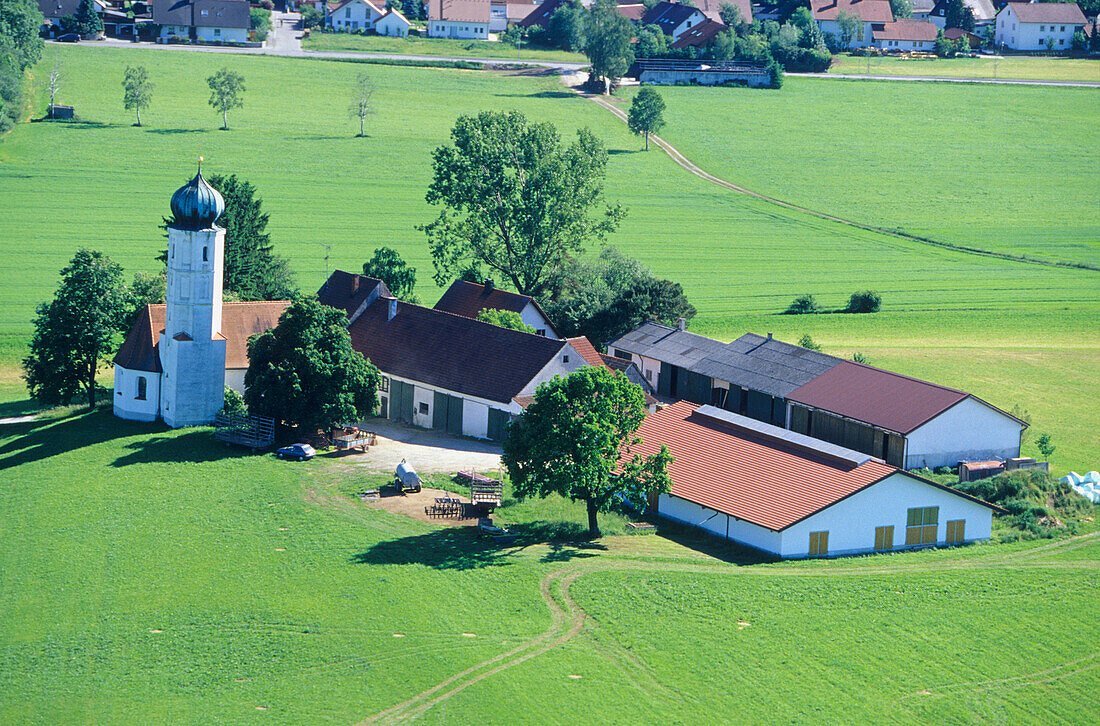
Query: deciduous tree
(515, 200)
(360, 106)
(305, 373)
(76, 332)
(607, 43)
(575, 439)
(226, 88)
(53, 83)
(504, 319)
(850, 24)
(646, 113)
(958, 15)
(387, 266)
(137, 90)
(20, 21)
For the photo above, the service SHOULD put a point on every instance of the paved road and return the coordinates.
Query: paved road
(941, 79)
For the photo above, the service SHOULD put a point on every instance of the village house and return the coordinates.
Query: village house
(871, 13)
(794, 496)
(353, 15)
(463, 19)
(1038, 26)
(674, 19)
(204, 20)
(469, 298)
(904, 421)
(982, 10)
(53, 10)
(393, 24)
(502, 13)
(922, 9)
(973, 40)
(906, 35)
(700, 36)
(712, 9)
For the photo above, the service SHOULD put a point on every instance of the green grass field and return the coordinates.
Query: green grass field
(154, 576)
(1030, 68)
(1015, 334)
(434, 46)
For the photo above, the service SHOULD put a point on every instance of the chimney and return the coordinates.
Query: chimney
(489, 285)
(393, 308)
(354, 284)
(682, 324)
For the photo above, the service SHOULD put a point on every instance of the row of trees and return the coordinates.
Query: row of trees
(20, 48)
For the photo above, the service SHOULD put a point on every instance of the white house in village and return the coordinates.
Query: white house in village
(393, 24)
(1038, 26)
(906, 34)
(793, 496)
(870, 12)
(674, 19)
(469, 298)
(463, 19)
(206, 20)
(354, 15)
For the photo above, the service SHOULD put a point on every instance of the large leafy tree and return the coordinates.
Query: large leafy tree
(958, 15)
(88, 21)
(226, 89)
(608, 36)
(137, 90)
(646, 113)
(575, 440)
(20, 21)
(76, 332)
(515, 200)
(387, 266)
(305, 373)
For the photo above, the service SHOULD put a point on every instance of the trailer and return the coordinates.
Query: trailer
(405, 479)
(485, 492)
(355, 439)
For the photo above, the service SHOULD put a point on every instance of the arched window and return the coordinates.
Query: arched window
(141, 388)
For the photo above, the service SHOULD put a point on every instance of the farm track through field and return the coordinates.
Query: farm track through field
(573, 616)
(691, 167)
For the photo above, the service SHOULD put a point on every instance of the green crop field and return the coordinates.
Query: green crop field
(434, 46)
(1016, 334)
(156, 577)
(1029, 68)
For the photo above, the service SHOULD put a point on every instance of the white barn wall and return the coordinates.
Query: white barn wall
(695, 515)
(458, 29)
(126, 403)
(475, 411)
(423, 395)
(969, 430)
(475, 419)
(559, 366)
(851, 522)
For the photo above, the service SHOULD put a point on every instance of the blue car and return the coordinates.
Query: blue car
(297, 452)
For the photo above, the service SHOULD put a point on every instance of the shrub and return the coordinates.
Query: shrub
(867, 301)
(808, 343)
(311, 17)
(1046, 448)
(775, 75)
(802, 305)
(234, 402)
(860, 358)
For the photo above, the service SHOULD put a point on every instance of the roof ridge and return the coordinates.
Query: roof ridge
(562, 341)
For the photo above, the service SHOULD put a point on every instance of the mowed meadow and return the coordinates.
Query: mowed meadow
(1017, 334)
(154, 577)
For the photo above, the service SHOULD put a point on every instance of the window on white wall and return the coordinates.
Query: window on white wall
(142, 386)
(921, 525)
(424, 408)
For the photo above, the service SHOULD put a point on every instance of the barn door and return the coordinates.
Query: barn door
(439, 411)
(497, 421)
(454, 415)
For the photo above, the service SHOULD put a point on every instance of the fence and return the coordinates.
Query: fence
(255, 432)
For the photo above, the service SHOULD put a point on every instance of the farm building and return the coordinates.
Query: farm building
(1038, 26)
(356, 15)
(464, 19)
(872, 13)
(468, 299)
(906, 35)
(907, 422)
(794, 496)
(205, 20)
(974, 40)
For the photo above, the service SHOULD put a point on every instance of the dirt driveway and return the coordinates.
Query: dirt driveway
(428, 451)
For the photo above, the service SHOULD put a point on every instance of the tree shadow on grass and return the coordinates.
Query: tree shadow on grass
(540, 94)
(194, 447)
(175, 131)
(20, 408)
(711, 545)
(48, 437)
(462, 548)
(616, 152)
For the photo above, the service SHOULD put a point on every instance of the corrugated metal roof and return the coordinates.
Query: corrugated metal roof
(750, 473)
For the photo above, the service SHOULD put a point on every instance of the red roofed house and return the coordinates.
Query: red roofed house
(906, 35)
(700, 36)
(466, 19)
(468, 299)
(872, 12)
(1031, 26)
(713, 9)
(794, 496)
(354, 14)
(973, 39)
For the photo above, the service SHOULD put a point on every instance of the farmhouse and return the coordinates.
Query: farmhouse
(354, 15)
(442, 370)
(178, 357)
(502, 14)
(53, 10)
(907, 422)
(794, 496)
(393, 24)
(871, 13)
(922, 9)
(674, 19)
(468, 299)
(464, 19)
(700, 36)
(713, 9)
(204, 20)
(1038, 26)
(982, 10)
(906, 35)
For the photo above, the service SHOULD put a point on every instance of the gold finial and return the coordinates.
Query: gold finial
(200, 163)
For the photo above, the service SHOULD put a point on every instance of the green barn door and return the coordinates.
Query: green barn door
(439, 411)
(401, 401)
(497, 421)
(454, 415)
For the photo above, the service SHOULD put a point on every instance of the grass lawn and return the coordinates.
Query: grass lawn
(434, 46)
(1030, 68)
(1013, 333)
(155, 576)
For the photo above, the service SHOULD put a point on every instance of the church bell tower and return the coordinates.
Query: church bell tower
(192, 348)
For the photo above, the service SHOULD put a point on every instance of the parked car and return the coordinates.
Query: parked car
(298, 452)
(69, 38)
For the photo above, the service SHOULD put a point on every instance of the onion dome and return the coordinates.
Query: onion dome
(197, 205)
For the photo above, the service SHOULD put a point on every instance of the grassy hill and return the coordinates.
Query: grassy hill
(157, 577)
(1015, 334)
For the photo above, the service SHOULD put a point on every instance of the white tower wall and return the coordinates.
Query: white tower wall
(192, 350)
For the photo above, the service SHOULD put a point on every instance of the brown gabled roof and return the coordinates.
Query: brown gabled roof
(541, 15)
(870, 11)
(1067, 13)
(469, 11)
(240, 321)
(668, 15)
(713, 9)
(956, 33)
(347, 291)
(634, 12)
(450, 351)
(907, 30)
(700, 36)
(468, 299)
(588, 351)
(888, 400)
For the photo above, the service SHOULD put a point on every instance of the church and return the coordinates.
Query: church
(180, 356)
